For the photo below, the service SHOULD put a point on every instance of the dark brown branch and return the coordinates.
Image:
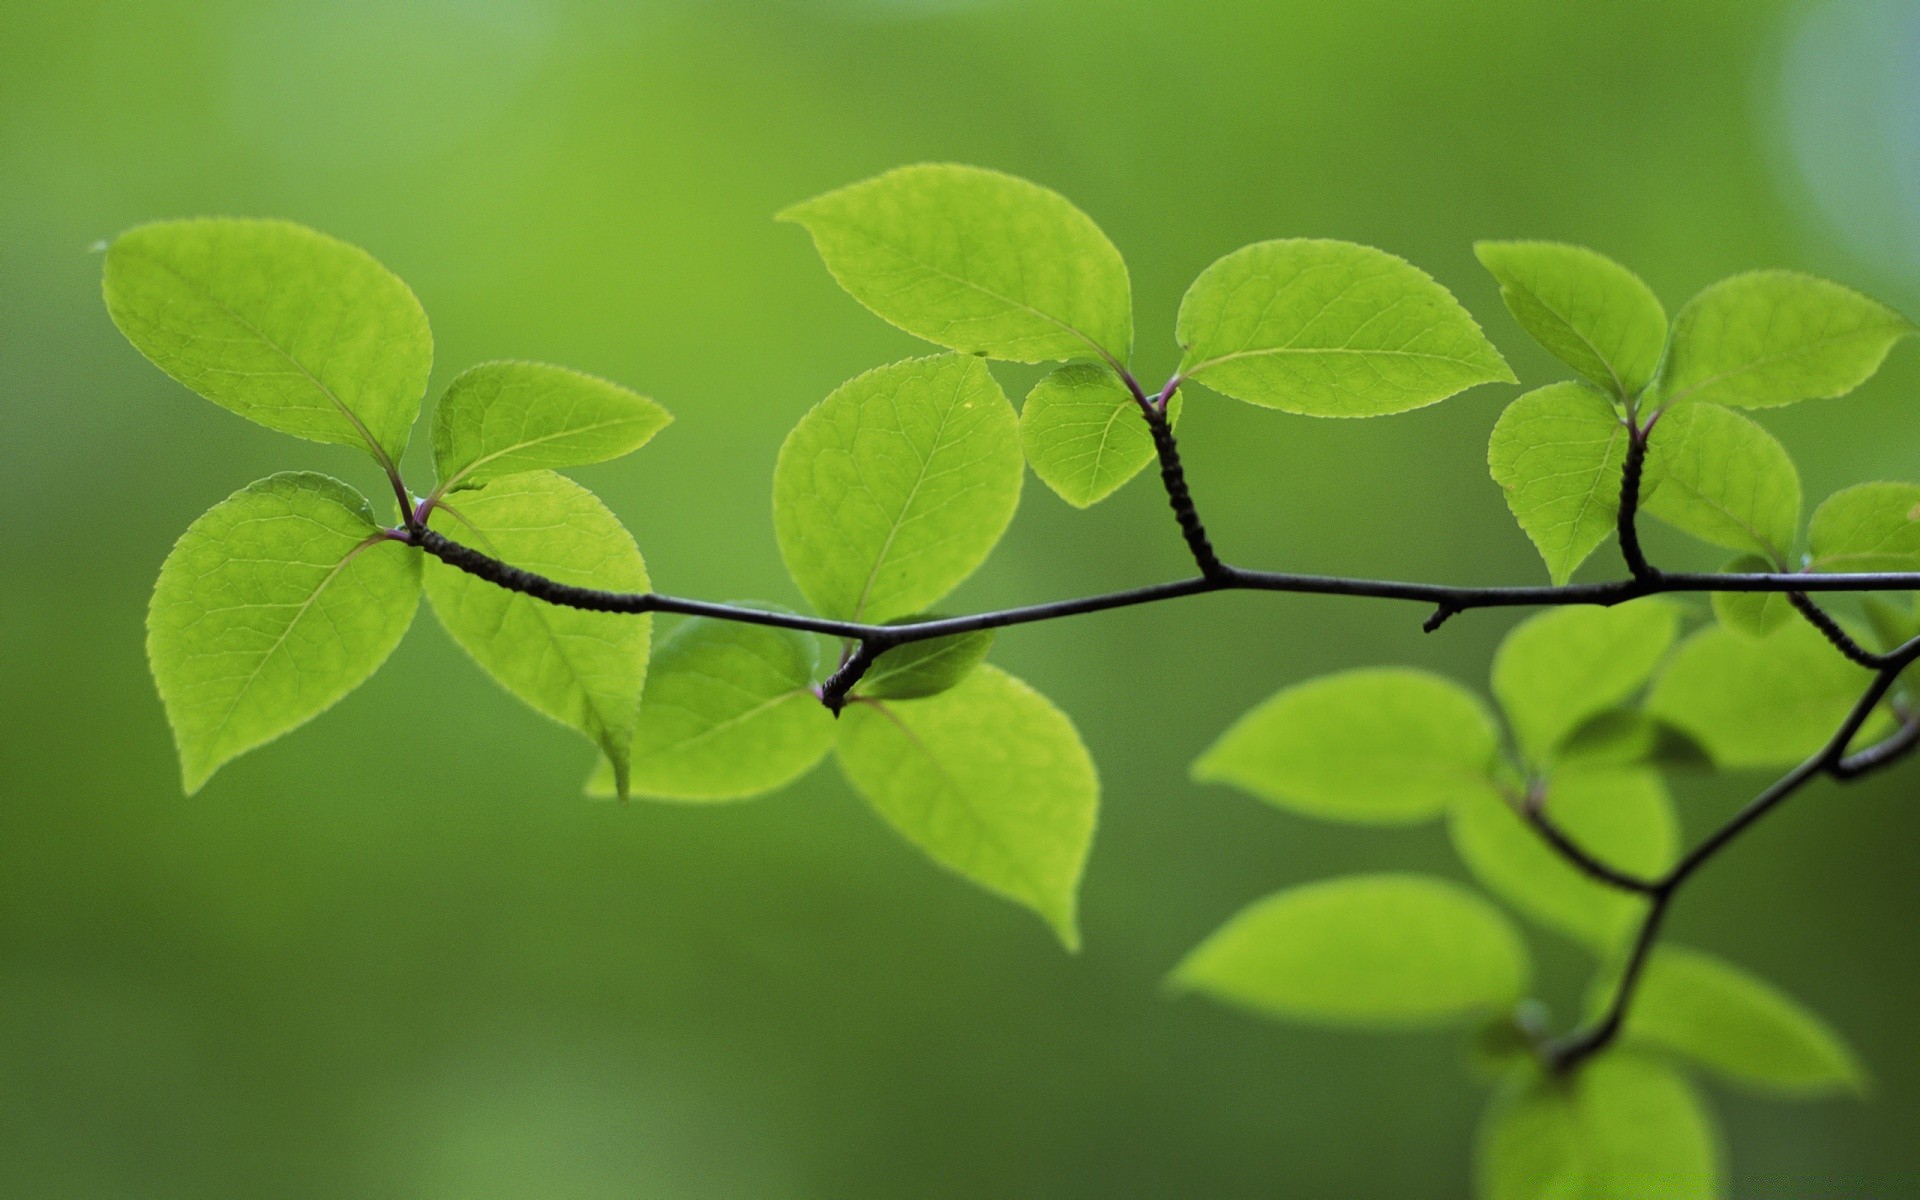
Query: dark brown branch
(1173, 477)
(1628, 525)
(1533, 810)
(1843, 641)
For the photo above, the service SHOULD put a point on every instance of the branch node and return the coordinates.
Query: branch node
(1440, 616)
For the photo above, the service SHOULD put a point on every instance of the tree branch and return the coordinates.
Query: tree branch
(1532, 808)
(1629, 526)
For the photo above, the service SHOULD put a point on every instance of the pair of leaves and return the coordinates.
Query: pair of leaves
(991, 265)
(1397, 746)
(1753, 341)
(288, 595)
(982, 773)
(1867, 527)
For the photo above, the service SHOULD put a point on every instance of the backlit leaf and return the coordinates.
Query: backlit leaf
(1562, 666)
(503, 417)
(1724, 480)
(1592, 313)
(1084, 433)
(1868, 527)
(1384, 951)
(976, 261)
(990, 780)
(1382, 746)
(285, 326)
(273, 605)
(1557, 454)
(1330, 329)
(583, 669)
(1775, 337)
(1755, 614)
(894, 488)
(728, 712)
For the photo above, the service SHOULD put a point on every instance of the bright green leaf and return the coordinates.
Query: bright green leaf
(1623, 1128)
(273, 605)
(500, 418)
(1382, 746)
(1724, 480)
(1557, 453)
(1559, 668)
(1592, 313)
(1387, 951)
(583, 669)
(1868, 527)
(1621, 817)
(1755, 614)
(1719, 1016)
(1775, 337)
(990, 779)
(1084, 433)
(285, 326)
(728, 712)
(1758, 702)
(976, 261)
(895, 487)
(1330, 329)
(925, 668)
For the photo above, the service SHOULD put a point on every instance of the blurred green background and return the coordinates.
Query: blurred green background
(397, 954)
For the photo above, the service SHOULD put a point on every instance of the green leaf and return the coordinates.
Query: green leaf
(1748, 1031)
(277, 602)
(728, 712)
(1379, 746)
(1621, 817)
(895, 487)
(1868, 527)
(925, 668)
(1557, 453)
(500, 418)
(1775, 337)
(1758, 702)
(1557, 669)
(1592, 313)
(1383, 951)
(1724, 480)
(1330, 329)
(990, 779)
(583, 669)
(285, 326)
(976, 261)
(1755, 614)
(1084, 433)
(1623, 1128)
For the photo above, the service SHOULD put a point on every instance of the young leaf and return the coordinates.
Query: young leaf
(1557, 453)
(976, 261)
(1383, 951)
(920, 669)
(1627, 737)
(1724, 480)
(583, 669)
(285, 326)
(1775, 337)
(1559, 668)
(500, 418)
(1755, 614)
(728, 712)
(1385, 746)
(1868, 527)
(1748, 1031)
(277, 602)
(1084, 434)
(1592, 313)
(1758, 702)
(1621, 817)
(1623, 1128)
(895, 487)
(990, 779)
(1330, 329)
